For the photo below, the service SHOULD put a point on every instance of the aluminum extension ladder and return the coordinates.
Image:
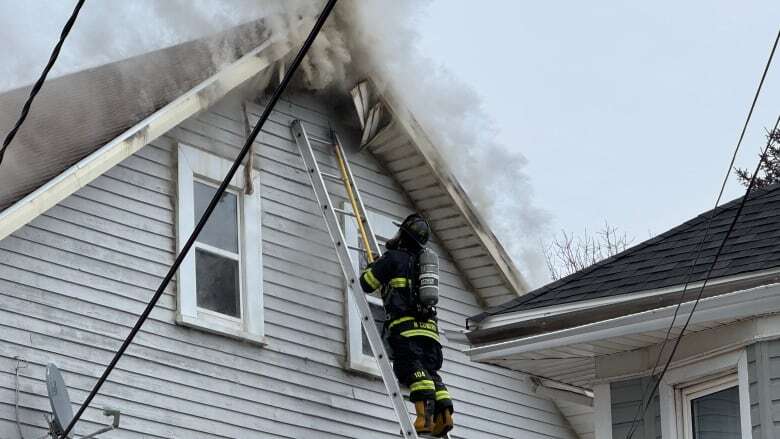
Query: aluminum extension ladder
(372, 250)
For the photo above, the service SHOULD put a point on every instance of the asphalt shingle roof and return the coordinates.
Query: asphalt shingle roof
(664, 260)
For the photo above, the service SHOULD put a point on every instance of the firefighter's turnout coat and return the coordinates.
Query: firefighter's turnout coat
(413, 334)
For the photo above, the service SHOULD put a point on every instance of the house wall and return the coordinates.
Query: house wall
(764, 379)
(74, 280)
(626, 400)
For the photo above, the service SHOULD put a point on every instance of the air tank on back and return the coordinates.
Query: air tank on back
(429, 277)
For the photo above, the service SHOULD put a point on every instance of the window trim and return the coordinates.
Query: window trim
(693, 379)
(198, 165)
(688, 394)
(356, 359)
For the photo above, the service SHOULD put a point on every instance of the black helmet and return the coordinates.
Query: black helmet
(416, 228)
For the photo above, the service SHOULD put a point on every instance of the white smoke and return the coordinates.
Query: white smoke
(383, 37)
(107, 31)
(364, 37)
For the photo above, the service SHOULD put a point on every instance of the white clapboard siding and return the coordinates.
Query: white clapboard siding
(73, 281)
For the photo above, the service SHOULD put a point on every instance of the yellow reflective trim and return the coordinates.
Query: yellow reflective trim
(422, 385)
(371, 280)
(442, 394)
(399, 321)
(399, 282)
(420, 332)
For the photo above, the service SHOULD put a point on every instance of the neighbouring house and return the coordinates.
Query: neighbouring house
(602, 330)
(103, 184)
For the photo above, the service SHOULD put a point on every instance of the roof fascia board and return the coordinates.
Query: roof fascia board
(195, 100)
(440, 170)
(739, 304)
(497, 321)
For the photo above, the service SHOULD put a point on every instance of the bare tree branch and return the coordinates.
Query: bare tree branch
(568, 254)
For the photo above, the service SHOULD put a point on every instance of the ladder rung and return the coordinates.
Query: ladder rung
(360, 249)
(320, 140)
(332, 176)
(344, 212)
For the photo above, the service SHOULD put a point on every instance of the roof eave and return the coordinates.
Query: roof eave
(439, 168)
(158, 123)
(746, 303)
(522, 324)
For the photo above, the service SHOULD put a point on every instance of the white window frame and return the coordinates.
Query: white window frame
(685, 383)
(382, 226)
(686, 395)
(198, 165)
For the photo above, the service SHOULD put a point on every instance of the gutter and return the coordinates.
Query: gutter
(732, 306)
(531, 322)
(128, 143)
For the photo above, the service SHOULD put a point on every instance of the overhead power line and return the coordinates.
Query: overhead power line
(39, 83)
(212, 205)
(647, 399)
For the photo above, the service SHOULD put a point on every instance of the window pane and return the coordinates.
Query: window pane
(379, 320)
(222, 228)
(217, 283)
(716, 416)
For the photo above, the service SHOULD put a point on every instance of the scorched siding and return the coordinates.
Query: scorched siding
(73, 281)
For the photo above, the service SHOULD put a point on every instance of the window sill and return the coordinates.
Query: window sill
(216, 328)
(365, 365)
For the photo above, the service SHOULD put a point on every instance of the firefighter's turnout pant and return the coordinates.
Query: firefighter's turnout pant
(417, 358)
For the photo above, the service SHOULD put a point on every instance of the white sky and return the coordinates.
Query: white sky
(626, 111)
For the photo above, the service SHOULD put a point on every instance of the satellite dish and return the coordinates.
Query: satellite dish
(58, 397)
(61, 408)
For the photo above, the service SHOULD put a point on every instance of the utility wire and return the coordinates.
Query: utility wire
(657, 381)
(212, 205)
(646, 400)
(569, 279)
(39, 83)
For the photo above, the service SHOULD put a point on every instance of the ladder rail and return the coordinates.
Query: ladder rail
(353, 195)
(337, 236)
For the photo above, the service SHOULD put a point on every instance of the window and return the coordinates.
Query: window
(707, 399)
(710, 410)
(359, 355)
(220, 280)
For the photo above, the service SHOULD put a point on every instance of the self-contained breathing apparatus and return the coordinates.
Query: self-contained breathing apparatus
(427, 280)
(425, 264)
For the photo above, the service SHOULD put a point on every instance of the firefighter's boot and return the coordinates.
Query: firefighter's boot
(424, 421)
(443, 423)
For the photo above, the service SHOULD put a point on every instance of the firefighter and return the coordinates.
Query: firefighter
(411, 327)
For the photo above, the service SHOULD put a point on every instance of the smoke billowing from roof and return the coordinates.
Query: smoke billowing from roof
(364, 37)
(383, 39)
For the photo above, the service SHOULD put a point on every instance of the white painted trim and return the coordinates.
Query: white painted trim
(687, 395)
(194, 164)
(215, 328)
(671, 396)
(555, 310)
(739, 304)
(602, 406)
(560, 395)
(383, 227)
(128, 143)
(744, 396)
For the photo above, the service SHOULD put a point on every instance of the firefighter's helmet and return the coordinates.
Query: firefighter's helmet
(416, 228)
